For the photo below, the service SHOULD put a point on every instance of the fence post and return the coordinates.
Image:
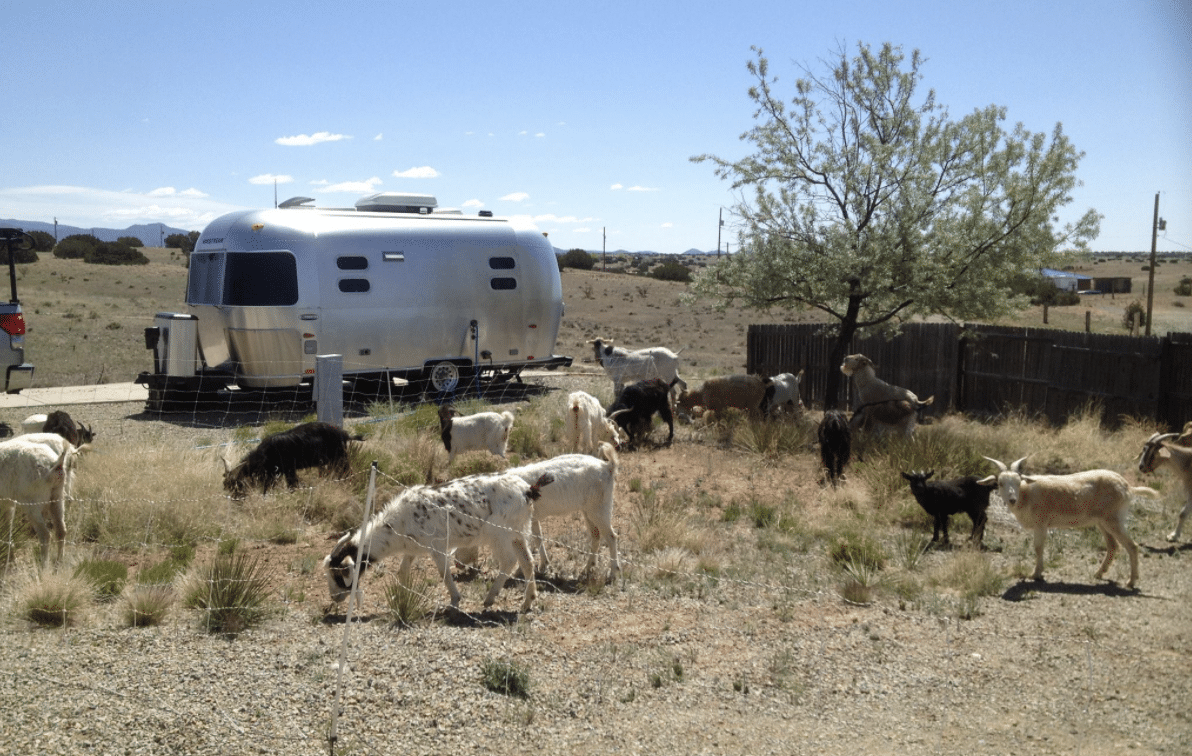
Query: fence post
(329, 389)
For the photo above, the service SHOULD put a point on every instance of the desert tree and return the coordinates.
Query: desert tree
(865, 200)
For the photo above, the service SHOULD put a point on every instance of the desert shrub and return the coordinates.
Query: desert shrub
(19, 255)
(1133, 308)
(856, 550)
(671, 271)
(76, 246)
(147, 605)
(407, 603)
(115, 253)
(164, 572)
(1184, 288)
(130, 241)
(578, 259)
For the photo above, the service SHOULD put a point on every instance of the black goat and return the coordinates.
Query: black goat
(942, 498)
(319, 445)
(64, 425)
(836, 444)
(642, 400)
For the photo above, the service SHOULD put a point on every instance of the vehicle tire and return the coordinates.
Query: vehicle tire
(443, 380)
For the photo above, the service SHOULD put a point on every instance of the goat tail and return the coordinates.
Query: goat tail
(1145, 491)
(536, 488)
(609, 454)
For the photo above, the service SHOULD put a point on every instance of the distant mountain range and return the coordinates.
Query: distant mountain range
(152, 234)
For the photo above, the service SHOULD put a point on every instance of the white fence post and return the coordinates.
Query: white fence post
(329, 389)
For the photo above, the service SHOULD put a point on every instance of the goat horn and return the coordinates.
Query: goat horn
(1000, 465)
(1017, 465)
(1159, 438)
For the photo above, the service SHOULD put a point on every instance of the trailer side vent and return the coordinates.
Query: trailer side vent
(353, 285)
(353, 262)
(501, 263)
(504, 284)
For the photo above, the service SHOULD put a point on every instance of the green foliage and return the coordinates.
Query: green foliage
(147, 605)
(76, 246)
(871, 204)
(184, 242)
(20, 255)
(671, 271)
(505, 678)
(407, 604)
(106, 576)
(164, 572)
(43, 241)
(1184, 287)
(578, 259)
(856, 549)
(56, 601)
(231, 592)
(115, 253)
(1042, 291)
(130, 241)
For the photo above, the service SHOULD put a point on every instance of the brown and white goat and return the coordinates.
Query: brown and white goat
(479, 432)
(881, 406)
(1160, 451)
(1093, 497)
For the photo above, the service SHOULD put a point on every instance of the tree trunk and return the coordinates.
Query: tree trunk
(848, 328)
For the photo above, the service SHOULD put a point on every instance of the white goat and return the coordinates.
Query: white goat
(586, 425)
(492, 510)
(880, 405)
(581, 484)
(1158, 452)
(786, 396)
(37, 477)
(34, 423)
(478, 432)
(626, 367)
(1092, 497)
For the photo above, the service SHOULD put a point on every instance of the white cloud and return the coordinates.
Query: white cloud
(473, 203)
(417, 173)
(668, 225)
(269, 178)
(378, 137)
(516, 197)
(540, 134)
(306, 140)
(320, 182)
(641, 189)
(615, 187)
(552, 218)
(355, 187)
(88, 207)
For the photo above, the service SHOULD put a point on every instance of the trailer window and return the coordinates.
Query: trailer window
(503, 284)
(354, 262)
(353, 285)
(206, 278)
(260, 279)
(501, 263)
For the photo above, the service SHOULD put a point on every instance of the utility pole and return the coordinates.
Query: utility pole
(55, 232)
(604, 248)
(719, 226)
(1156, 224)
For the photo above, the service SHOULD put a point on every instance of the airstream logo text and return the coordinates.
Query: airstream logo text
(213, 241)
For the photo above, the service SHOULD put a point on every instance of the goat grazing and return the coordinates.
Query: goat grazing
(585, 425)
(37, 477)
(581, 484)
(625, 367)
(283, 454)
(881, 406)
(635, 408)
(61, 423)
(785, 397)
(836, 443)
(492, 510)
(478, 432)
(943, 498)
(1160, 451)
(744, 392)
(1093, 497)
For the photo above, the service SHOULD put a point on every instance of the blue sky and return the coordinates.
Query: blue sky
(580, 116)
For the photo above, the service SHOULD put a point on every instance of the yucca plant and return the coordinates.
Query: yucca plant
(407, 603)
(231, 591)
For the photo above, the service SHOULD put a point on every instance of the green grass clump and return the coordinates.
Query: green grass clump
(106, 576)
(506, 678)
(231, 591)
(56, 601)
(146, 605)
(407, 603)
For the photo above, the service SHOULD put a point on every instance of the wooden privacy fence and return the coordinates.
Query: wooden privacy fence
(989, 370)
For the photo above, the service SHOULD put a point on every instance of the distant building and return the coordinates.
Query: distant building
(1066, 280)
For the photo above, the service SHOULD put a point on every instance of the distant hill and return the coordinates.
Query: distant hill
(151, 233)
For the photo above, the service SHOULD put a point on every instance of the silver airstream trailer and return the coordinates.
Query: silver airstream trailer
(398, 287)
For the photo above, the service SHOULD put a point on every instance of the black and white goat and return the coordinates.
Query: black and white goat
(479, 432)
(283, 454)
(836, 443)
(493, 510)
(584, 485)
(643, 400)
(943, 498)
(61, 423)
